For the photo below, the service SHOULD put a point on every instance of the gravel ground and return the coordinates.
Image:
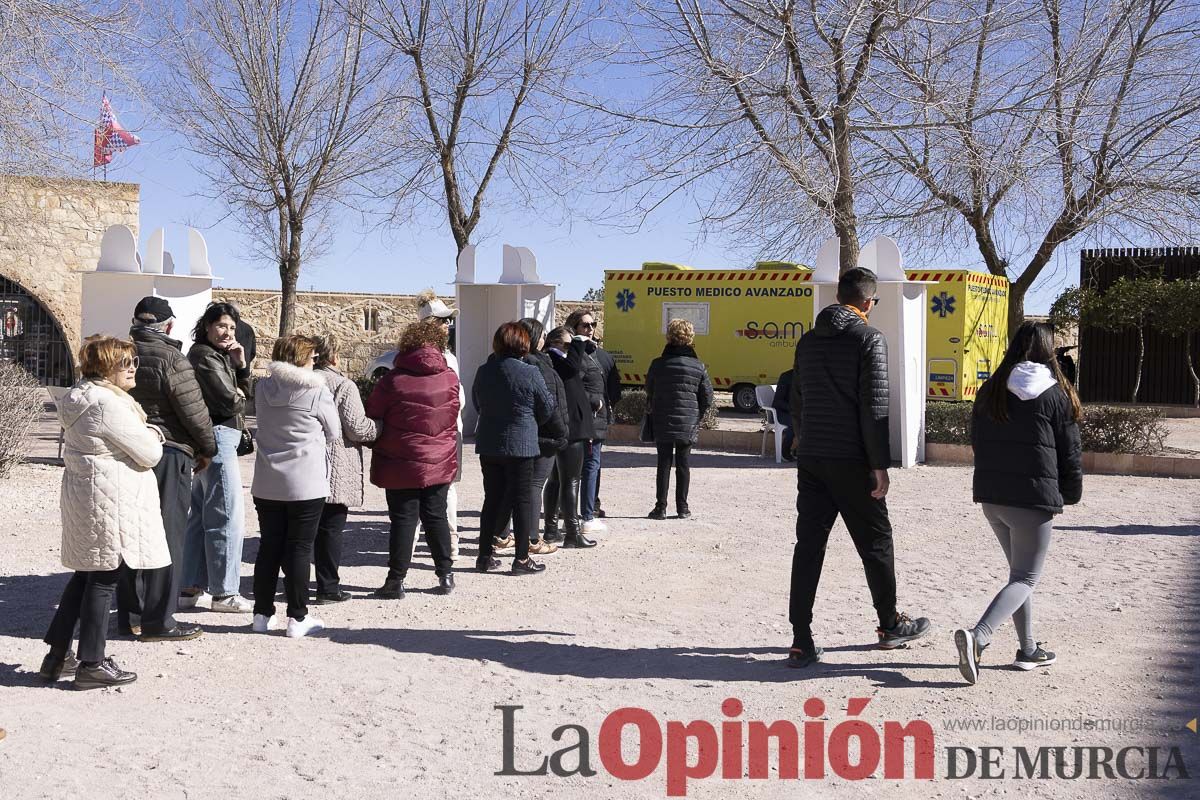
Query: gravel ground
(673, 617)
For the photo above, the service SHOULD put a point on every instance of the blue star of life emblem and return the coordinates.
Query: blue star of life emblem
(625, 300)
(943, 304)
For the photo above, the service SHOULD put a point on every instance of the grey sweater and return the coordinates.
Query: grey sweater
(346, 455)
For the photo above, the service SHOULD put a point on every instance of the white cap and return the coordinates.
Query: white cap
(436, 308)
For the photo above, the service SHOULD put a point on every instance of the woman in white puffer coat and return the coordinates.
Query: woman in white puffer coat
(111, 519)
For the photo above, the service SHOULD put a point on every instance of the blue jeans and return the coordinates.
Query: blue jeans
(591, 480)
(212, 547)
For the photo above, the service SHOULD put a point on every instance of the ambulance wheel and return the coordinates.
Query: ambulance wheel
(744, 399)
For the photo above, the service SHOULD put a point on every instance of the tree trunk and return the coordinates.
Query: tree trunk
(1187, 354)
(289, 276)
(1016, 308)
(845, 220)
(1141, 352)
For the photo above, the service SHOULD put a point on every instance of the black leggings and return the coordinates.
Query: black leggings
(679, 453)
(561, 495)
(508, 493)
(286, 531)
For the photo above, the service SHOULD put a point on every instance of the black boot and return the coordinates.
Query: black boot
(574, 535)
(550, 532)
(445, 583)
(658, 512)
(392, 589)
(102, 675)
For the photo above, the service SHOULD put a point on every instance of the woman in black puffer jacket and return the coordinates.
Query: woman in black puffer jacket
(1028, 465)
(561, 496)
(552, 434)
(678, 392)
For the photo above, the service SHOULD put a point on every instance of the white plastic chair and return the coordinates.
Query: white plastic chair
(765, 394)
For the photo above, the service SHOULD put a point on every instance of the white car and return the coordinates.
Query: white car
(381, 366)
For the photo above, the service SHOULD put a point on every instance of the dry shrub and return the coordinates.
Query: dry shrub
(21, 403)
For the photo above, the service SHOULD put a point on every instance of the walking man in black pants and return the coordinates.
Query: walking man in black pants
(169, 394)
(839, 398)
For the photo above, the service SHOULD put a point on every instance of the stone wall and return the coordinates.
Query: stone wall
(348, 315)
(50, 231)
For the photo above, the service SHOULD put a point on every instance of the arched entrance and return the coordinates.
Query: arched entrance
(31, 336)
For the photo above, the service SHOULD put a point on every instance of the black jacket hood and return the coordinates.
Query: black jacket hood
(835, 320)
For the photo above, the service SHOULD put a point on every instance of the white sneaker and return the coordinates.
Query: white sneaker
(310, 624)
(262, 623)
(594, 526)
(234, 604)
(202, 600)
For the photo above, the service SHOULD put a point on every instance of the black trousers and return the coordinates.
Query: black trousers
(87, 599)
(678, 453)
(561, 495)
(405, 507)
(826, 488)
(508, 493)
(286, 531)
(153, 594)
(327, 549)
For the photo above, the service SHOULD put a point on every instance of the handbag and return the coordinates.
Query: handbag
(246, 443)
(647, 432)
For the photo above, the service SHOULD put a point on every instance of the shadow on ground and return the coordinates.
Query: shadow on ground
(1135, 530)
(561, 656)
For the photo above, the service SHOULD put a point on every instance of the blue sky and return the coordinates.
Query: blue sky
(407, 258)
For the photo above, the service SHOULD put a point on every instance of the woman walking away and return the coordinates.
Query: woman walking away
(297, 423)
(416, 455)
(561, 497)
(212, 547)
(111, 520)
(512, 401)
(678, 393)
(552, 434)
(345, 468)
(1027, 467)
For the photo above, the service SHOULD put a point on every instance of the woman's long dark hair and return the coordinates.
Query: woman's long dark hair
(211, 314)
(1033, 341)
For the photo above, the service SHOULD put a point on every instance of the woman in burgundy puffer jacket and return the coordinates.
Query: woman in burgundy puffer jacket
(416, 456)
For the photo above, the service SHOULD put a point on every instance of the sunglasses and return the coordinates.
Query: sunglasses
(130, 363)
(589, 325)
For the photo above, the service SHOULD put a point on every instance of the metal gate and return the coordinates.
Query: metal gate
(30, 336)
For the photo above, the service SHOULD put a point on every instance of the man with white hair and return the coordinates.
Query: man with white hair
(170, 395)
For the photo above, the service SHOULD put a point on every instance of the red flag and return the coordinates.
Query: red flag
(110, 136)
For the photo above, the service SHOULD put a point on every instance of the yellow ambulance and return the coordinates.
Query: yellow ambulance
(747, 323)
(966, 329)
(747, 320)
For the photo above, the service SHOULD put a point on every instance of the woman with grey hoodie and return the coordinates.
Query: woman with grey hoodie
(345, 458)
(1028, 466)
(297, 422)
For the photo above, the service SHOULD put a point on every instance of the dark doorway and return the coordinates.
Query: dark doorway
(30, 336)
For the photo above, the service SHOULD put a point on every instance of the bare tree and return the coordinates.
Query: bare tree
(488, 80)
(284, 103)
(1043, 120)
(55, 59)
(764, 99)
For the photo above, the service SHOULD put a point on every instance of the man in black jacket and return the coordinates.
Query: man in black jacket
(839, 396)
(605, 379)
(169, 394)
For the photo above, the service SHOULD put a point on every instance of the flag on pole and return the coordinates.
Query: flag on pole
(110, 136)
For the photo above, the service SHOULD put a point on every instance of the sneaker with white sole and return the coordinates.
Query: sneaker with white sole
(201, 600)
(1040, 658)
(299, 628)
(262, 623)
(594, 526)
(969, 653)
(234, 604)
